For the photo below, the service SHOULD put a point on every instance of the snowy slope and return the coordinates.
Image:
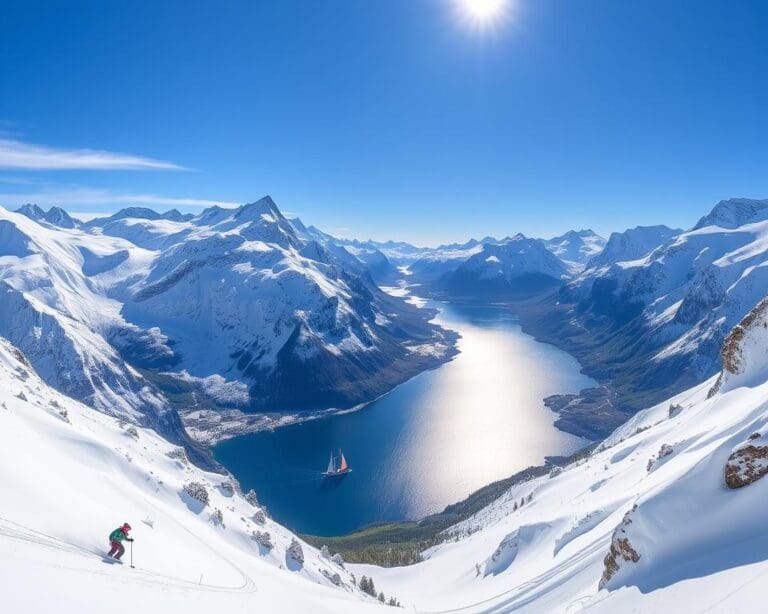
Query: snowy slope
(55, 308)
(631, 244)
(83, 474)
(645, 524)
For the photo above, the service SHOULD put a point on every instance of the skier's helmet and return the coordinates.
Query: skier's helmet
(126, 527)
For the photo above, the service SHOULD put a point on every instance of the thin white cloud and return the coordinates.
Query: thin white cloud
(26, 156)
(78, 197)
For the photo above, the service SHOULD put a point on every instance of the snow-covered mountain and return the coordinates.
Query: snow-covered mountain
(576, 247)
(665, 515)
(70, 475)
(573, 249)
(666, 313)
(56, 309)
(229, 309)
(55, 216)
(355, 255)
(631, 244)
(735, 212)
(399, 253)
(515, 266)
(445, 259)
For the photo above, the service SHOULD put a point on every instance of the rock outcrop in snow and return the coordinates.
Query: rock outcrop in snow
(748, 462)
(745, 350)
(664, 451)
(621, 550)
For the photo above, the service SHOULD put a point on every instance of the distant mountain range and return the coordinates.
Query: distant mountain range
(263, 302)
(645, 311)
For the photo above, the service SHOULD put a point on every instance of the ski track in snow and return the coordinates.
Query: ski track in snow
(14, 530)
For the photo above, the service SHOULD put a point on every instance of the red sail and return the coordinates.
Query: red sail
(343, 463)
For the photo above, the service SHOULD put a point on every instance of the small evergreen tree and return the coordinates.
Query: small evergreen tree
(382, 598)
(367, 586)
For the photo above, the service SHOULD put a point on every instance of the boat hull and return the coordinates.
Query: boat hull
(336, 474)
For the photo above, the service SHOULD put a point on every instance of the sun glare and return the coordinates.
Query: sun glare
(482, 14)
(483, 9)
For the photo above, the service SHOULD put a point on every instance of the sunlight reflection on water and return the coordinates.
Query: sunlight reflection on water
(427, 444)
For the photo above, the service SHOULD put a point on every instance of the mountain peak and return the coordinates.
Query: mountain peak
(56, 216)
(262, 206)
(735, 212)
(32, 211)
(632, 244)
(144, 213)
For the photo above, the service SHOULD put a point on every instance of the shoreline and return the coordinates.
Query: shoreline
(592, 413)
(211, 427)
(272, 423)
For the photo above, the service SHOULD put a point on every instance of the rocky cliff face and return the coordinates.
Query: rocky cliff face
(745, 351)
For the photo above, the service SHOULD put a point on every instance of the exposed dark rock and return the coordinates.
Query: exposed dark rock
(621, 550)
(746, 464)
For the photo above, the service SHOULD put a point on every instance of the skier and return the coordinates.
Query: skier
(117, 536)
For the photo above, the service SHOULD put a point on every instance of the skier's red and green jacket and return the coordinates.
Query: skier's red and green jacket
(117, 535)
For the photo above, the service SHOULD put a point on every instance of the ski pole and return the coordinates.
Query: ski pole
(132, 554)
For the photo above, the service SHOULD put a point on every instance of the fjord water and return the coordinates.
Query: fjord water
(430, 442)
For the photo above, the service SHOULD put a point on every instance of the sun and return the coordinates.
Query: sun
(482, 15)
(483, 10)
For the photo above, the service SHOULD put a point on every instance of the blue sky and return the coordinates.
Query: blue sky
(396, 118)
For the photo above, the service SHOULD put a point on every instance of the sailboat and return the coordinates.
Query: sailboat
(334, 469)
